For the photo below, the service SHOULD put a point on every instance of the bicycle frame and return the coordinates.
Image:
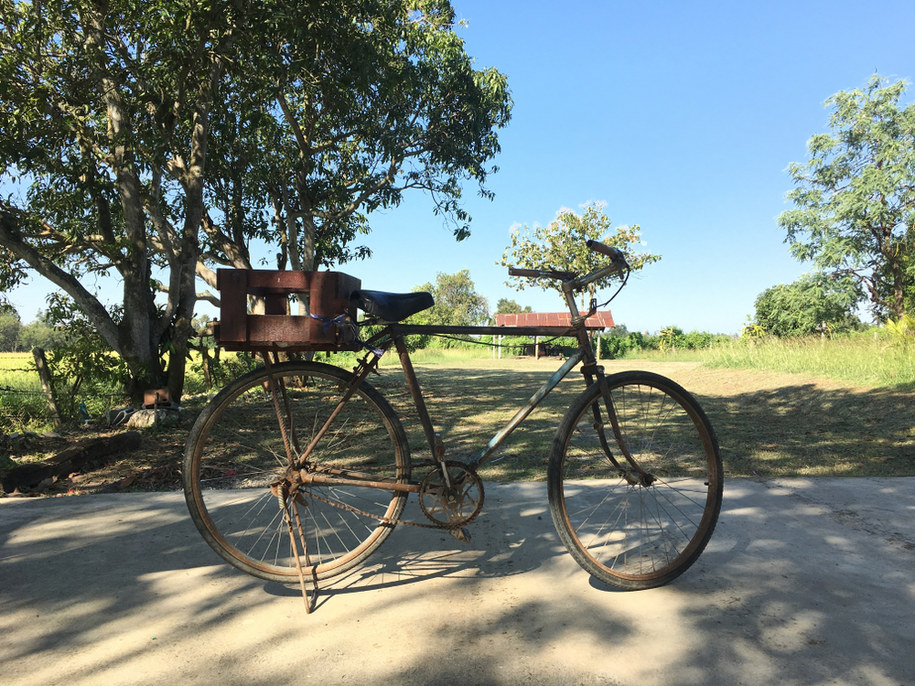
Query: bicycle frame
(398, 331)
(393, 335)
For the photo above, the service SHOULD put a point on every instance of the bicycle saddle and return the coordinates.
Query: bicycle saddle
(391, 307)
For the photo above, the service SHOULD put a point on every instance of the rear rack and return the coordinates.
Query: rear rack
(328, 328)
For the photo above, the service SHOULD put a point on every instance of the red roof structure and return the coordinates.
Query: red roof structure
(599, 320)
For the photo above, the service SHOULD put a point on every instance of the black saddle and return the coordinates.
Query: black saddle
(391, 307)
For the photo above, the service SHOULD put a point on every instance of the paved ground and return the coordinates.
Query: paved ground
(806, 582)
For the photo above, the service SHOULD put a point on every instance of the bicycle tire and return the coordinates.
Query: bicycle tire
(235, 451)
(625, 534)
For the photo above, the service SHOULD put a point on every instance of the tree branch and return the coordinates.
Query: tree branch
(11, 239)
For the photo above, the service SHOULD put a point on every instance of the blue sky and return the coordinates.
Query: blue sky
(681, 116)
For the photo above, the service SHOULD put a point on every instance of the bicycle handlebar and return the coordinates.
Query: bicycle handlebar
(541, 273)
(617, 256)
(614, 254)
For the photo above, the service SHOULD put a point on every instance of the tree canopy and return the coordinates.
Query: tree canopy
(508, 306)
(854, 199)
(154, 143)
(813, 304)
(562, 245)
(457, 302)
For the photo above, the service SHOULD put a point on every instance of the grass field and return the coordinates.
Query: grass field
(22, 403)
(768, 423)
(867, 359)
(777, 410)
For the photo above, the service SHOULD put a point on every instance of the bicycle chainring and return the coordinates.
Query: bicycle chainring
(453, 502)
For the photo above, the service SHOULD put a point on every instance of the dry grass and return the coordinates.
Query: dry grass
(768, 423)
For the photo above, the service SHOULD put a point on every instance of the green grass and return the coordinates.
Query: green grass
(471, 398)
(837, 407)
(22, 403)
(769, 423)
(872, 359)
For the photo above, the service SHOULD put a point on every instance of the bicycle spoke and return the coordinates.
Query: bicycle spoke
(633, 531)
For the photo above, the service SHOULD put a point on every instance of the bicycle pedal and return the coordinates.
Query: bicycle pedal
(460, 534)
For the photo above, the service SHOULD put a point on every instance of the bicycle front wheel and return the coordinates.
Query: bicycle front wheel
(236, 482)
(638, 524)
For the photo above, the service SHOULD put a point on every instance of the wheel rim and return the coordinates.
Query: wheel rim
(240, 453)
(634, 532)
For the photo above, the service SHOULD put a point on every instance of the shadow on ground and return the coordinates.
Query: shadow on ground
(804, 582)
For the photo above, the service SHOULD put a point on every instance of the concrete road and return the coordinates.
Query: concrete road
(806, 581)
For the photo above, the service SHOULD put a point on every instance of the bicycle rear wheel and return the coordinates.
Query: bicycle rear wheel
(236, 464)
(635, 528)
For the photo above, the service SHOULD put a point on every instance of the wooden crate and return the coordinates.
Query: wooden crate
(276, 329)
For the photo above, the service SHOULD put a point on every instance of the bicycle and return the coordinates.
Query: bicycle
(299, 470)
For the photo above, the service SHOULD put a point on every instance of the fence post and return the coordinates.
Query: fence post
(41, 364)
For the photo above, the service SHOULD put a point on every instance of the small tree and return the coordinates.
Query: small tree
(456, 304)
(562, 245)
(854, 203)
(506, 306)
(815, 303)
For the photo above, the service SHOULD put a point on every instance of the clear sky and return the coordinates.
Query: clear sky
(681, 116)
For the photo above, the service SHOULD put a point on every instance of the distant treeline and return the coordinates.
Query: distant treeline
(18, 337)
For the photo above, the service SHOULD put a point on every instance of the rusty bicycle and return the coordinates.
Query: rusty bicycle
(299, 470)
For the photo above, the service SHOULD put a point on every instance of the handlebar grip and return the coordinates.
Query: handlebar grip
(613, 253)
(540, 273)
(515, 271)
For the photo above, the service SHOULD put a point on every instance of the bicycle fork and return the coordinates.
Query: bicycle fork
(632, 472)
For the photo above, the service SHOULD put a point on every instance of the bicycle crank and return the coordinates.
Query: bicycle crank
(451, 502)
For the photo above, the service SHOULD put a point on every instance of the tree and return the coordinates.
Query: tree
(41, 333)
(854, 199)
(10, 326)
(814, 304)
(105, 118)
(506, 306)
(157, 142)
(562, 245)
(370, 101)
(456, 302)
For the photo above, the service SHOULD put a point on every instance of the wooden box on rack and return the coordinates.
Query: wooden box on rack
(329, 296)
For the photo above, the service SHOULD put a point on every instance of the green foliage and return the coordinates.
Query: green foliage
(673, 338)
(15, 336)
(10, 327)
(854, 214)
(620, 343)
(617, 346)
(163, 140)
(82, 364)
(456, 304)
(814, 303)
(562, 245)
(506, 306)
(40, 334)
(902, 330)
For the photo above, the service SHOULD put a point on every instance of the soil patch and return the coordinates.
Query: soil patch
(153, 466)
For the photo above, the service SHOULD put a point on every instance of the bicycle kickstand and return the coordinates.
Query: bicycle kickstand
(282, 497)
